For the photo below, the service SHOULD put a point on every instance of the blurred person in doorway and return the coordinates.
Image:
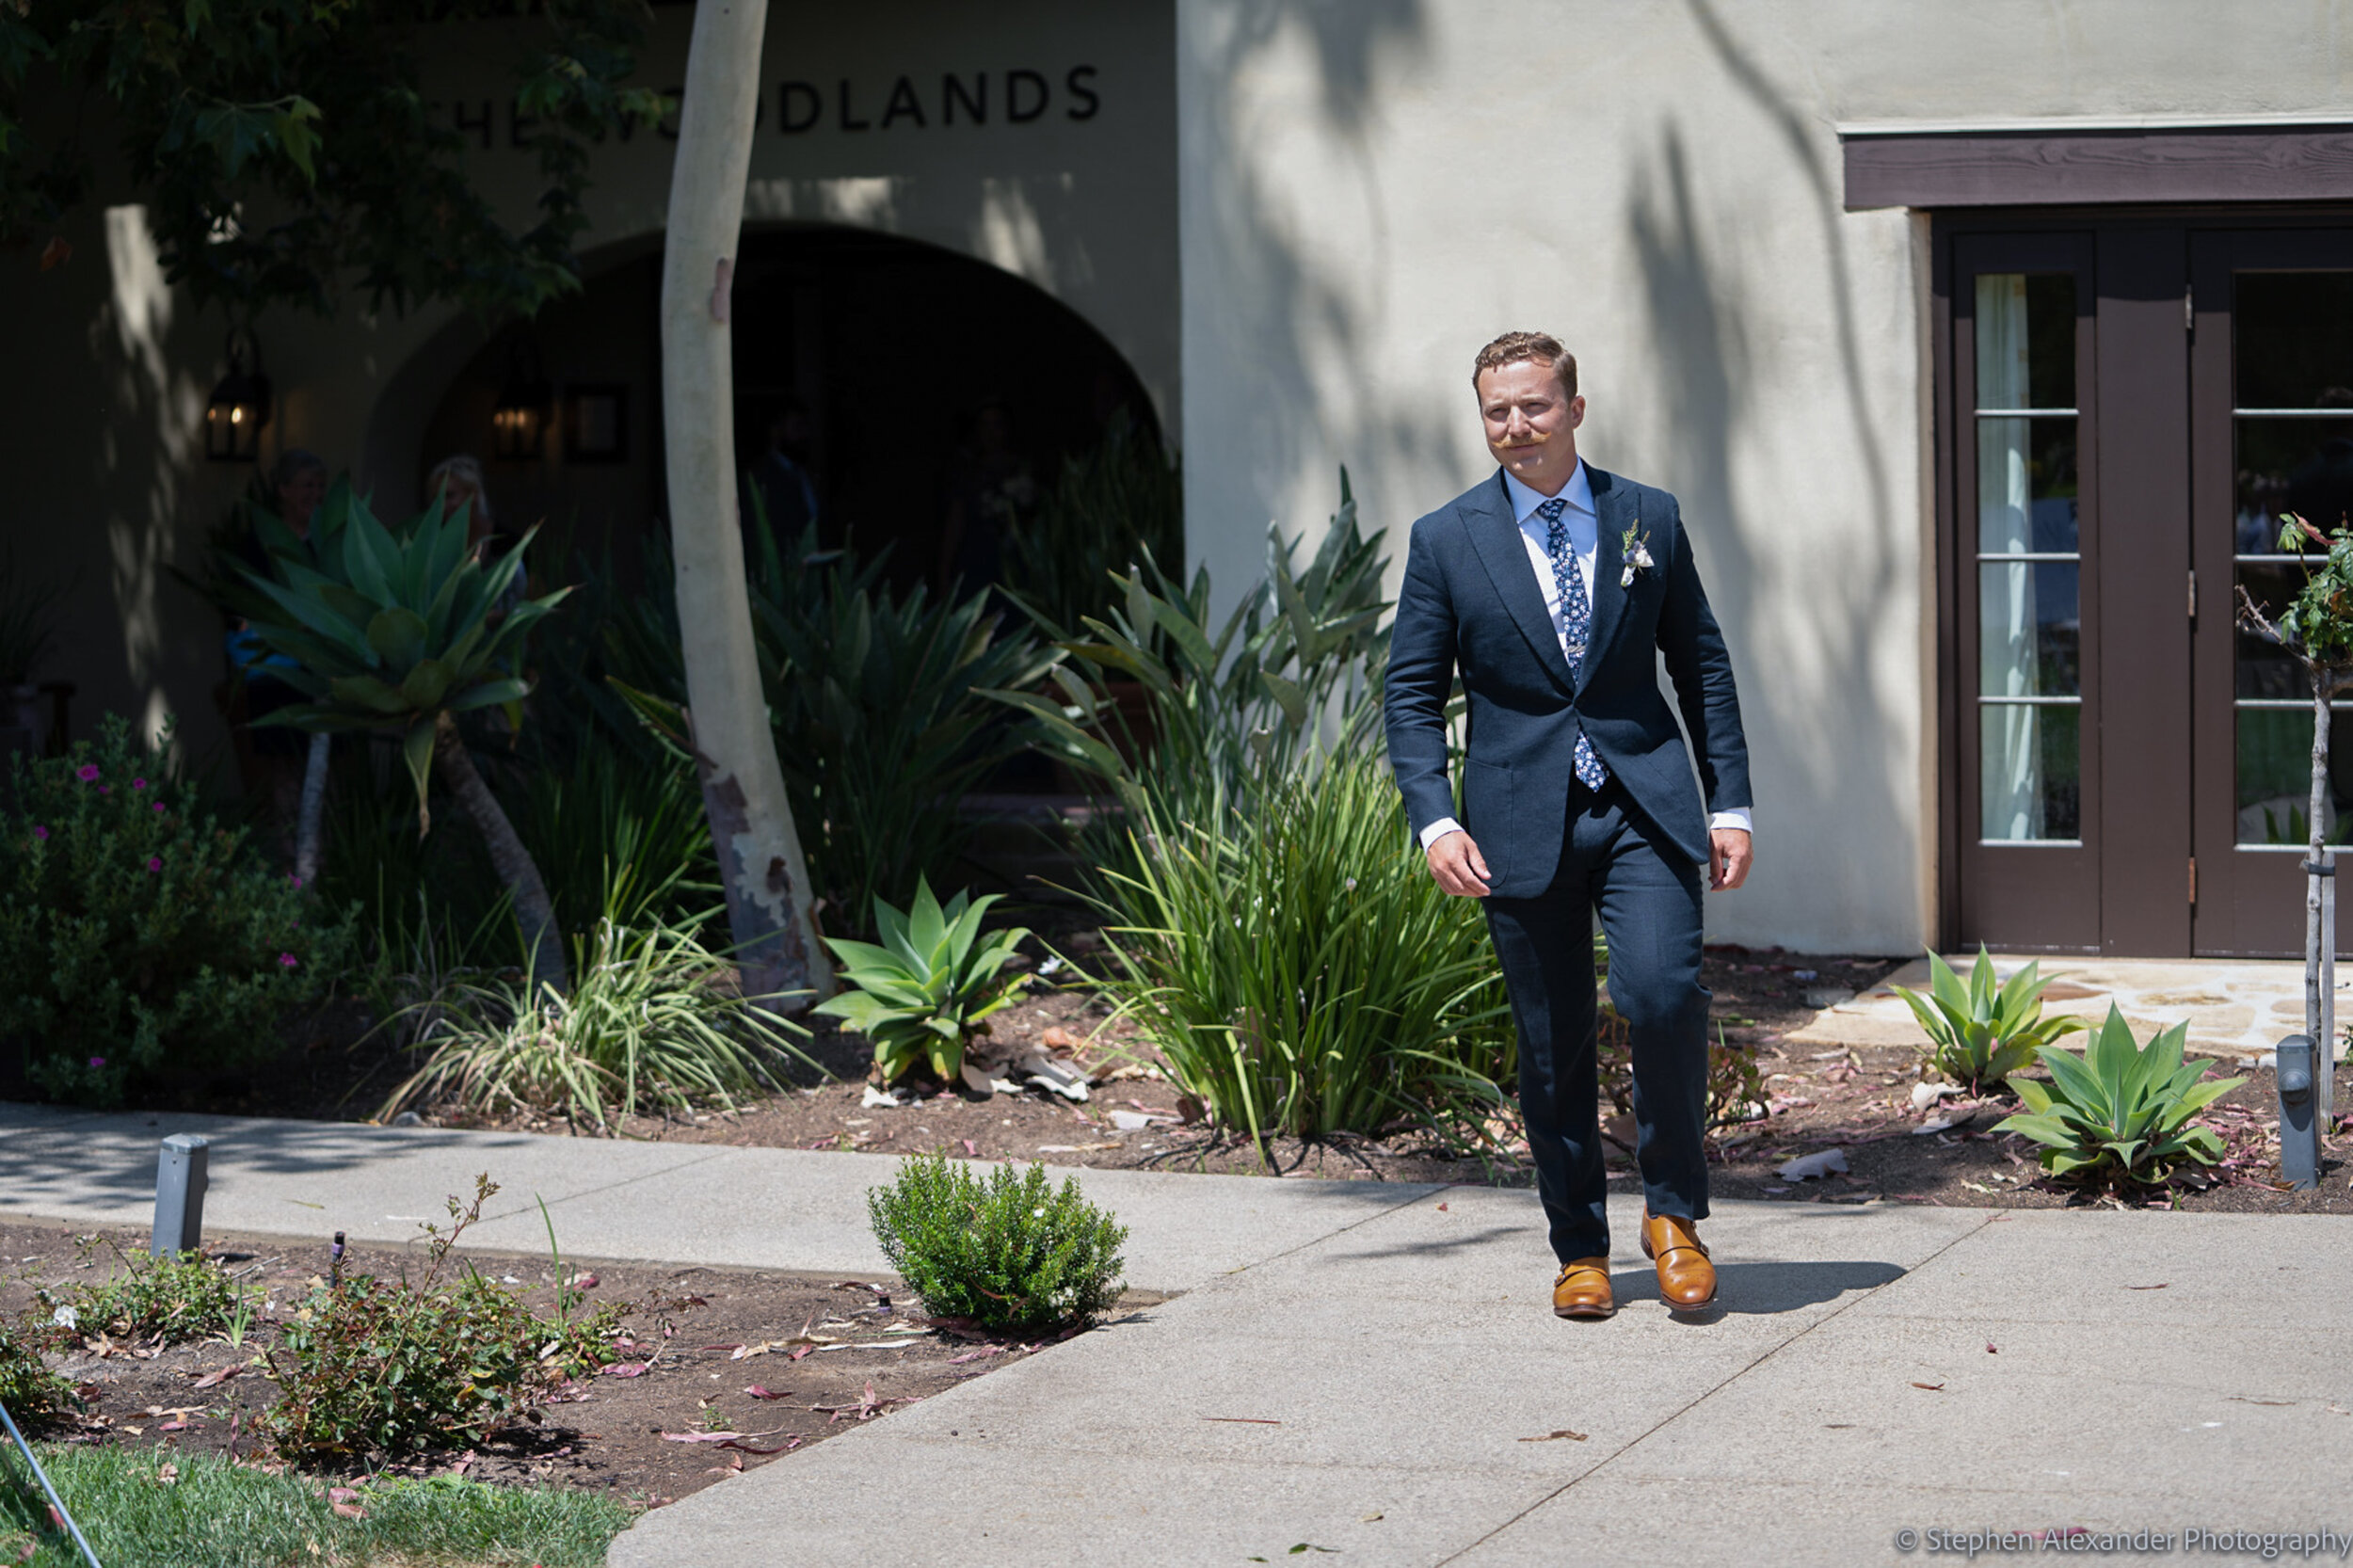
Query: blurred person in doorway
(456, 481)
(778, 484)
(990, 492)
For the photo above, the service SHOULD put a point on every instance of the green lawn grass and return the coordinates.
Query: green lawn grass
(215, 1514)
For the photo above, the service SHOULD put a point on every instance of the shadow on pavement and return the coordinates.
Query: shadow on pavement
(1765, 1290)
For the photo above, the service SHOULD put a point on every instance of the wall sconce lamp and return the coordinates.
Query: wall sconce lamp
(519, 421)
(240, 403)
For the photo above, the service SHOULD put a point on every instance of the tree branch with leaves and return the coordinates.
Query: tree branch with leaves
(2316, 631)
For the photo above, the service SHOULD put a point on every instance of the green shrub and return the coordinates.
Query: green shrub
(652, 1019)
(35, 1395)
(170, 1299)
(1010, 1254)
(375, 1367)
(1298, 968)
(2119, 1112)
(929, 989)
(1113, 507)
(1980, 1035)
(136, 935)
(879, 707)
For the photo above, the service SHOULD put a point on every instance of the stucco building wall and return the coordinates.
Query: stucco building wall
(1371, 191)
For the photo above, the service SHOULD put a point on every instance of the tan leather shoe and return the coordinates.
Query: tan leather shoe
(1583, 1290)
(1687, 1280)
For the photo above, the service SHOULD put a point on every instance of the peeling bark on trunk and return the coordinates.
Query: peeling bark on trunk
(508, 857)
(770, 909)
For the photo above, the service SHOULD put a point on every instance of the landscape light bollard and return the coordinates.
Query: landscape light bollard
(2299, 1137)
(180, 1194)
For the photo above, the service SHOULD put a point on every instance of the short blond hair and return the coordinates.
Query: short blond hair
(1514, 346)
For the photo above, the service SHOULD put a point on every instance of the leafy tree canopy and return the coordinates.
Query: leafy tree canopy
(284, 147)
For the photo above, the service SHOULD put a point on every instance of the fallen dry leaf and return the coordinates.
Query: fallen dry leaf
(625, 1369)
(1441, 1208)
(1990, 1349)
(1931, 1387)
(214, 1379)
(2144, 1288)
(716, 1436)
(1244, 1420)
(756, 1392)
(169, 1475)
(1554, 1436)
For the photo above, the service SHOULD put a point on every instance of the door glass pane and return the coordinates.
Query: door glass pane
(2275, 775)
(2030, 777)
(2292, 431)
(2030, 611)
(2293, 338)
(2029, 629)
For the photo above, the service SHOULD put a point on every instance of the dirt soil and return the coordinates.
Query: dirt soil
(694, 1367)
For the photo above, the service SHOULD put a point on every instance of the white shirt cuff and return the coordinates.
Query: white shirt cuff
(1737, 817)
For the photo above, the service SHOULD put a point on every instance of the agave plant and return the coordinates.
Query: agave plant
(397, 628)
(1978, 1035)
(929, 986)
(2118, 1109)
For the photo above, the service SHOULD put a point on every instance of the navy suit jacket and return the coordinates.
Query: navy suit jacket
(1471, 603)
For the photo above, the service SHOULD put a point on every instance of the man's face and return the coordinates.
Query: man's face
(1531, 422)
(298, 497)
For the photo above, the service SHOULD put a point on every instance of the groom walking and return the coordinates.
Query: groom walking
(1547, 586)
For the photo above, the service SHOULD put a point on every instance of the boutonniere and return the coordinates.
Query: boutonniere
(1634, 549)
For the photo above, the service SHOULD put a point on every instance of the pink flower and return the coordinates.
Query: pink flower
(286, 960)
(39, 832)
(157, 806)
(295, 880)
(96, 1062)
(105, 789)
(154, 862)
(87, 772)
(139, 783)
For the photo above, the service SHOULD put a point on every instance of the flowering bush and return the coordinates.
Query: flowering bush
(136, 933)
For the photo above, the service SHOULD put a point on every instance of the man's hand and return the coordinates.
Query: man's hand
(1458, 866)
(1727, 858)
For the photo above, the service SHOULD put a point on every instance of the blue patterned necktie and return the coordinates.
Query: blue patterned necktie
(1576, 623)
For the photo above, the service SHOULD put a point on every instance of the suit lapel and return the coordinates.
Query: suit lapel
(1502, 551)
(1612, 516)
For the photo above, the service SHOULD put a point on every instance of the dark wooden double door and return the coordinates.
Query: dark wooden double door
(2127, 405)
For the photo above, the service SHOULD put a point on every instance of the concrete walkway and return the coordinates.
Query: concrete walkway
(1356, 1368)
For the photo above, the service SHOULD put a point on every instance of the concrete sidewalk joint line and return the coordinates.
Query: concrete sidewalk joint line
(554, 1203)
(1678, 1413)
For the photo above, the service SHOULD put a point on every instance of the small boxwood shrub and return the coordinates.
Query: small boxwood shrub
(136, 933)
(1010, 1254)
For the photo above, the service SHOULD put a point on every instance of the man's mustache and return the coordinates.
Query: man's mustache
(1537, 439)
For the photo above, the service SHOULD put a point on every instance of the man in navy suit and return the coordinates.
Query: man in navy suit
(1548, 587)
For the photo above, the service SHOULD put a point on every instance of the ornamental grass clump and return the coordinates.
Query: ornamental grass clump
(1299, 970)
(2121, 1114)
(1010, 1253)
(1979, 1034)
(653, 1021)
(138, 934)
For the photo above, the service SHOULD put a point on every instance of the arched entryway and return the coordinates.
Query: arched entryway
(886, 368)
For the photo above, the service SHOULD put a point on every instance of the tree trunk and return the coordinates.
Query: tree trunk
(769, 904)
(308, 825)
(508, 857)
(2323, 686)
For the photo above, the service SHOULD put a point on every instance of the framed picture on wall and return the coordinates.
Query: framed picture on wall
(595, 423)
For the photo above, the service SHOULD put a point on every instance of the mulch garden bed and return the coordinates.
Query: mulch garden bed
(1134, 1118)
(712, 1355)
